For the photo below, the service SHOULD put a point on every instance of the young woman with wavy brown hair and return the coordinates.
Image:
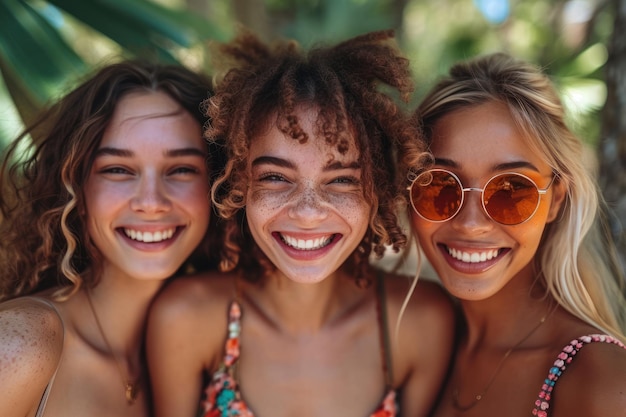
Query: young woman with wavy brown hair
(103, 199)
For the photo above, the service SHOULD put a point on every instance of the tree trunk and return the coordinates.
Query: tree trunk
(612, 152)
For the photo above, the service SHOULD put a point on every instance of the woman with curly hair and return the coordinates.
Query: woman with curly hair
(105, 197)
(299, 324)
(509, 215)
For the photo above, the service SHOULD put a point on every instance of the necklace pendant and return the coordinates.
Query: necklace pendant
(131, 393)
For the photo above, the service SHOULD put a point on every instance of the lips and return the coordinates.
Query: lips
(150, 236)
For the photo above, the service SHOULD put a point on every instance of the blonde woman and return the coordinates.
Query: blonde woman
(508, 216)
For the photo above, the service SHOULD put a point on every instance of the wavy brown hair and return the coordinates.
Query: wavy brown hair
(44, 237)
(265, 84)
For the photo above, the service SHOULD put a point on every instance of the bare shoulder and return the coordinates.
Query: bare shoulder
(421, 322)
(187, 296)
(191, 314)
(593, 384)
(421, 325)
(192, 310)
(427, 302)
(30, 330)
(31, 344)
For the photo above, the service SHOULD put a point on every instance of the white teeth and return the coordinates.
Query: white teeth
(150, 237)
(309, 244)
(473, 257)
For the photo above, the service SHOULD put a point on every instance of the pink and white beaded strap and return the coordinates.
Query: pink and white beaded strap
(565, 358)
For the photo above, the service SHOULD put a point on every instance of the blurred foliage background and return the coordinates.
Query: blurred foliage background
(46, 46)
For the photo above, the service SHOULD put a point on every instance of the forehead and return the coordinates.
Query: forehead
(272, 138)
(153, 116)
(144, 104)
(481, 135)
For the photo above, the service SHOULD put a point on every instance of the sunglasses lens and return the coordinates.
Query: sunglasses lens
(511, 199)
(436, 195)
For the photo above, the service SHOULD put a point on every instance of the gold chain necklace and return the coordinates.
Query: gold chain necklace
(131, 389)
(455, 393)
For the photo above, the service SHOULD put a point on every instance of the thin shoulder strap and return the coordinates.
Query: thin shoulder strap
(385, 344)
(44, 398)
(567, 355)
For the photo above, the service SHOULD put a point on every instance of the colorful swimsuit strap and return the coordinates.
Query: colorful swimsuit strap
(223, 395)
(563, 360)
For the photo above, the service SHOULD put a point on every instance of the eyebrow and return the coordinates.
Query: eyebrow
(284, 163)
(170, 152)
(498, 167)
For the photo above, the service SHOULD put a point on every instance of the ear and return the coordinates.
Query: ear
(558, 198)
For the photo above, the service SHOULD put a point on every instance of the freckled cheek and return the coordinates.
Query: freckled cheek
(266, 201)
(352, 206)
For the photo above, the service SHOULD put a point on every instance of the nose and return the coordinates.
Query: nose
(309, 206)
(472, 217)
(150, 196)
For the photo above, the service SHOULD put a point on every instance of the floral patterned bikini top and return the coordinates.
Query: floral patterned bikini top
(222, 397)
(567, 355)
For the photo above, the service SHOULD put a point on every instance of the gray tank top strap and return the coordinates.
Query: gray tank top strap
(44, 398)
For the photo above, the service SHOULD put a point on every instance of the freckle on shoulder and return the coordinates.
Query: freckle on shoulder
(31, 336)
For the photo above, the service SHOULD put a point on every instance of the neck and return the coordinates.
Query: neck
(295, 308)
(121, 307)
(499, 320)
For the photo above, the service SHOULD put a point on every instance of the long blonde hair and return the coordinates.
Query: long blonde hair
(576, 258)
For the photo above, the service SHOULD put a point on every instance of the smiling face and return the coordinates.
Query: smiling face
(146, 195)
(305, 205)
(474, 256)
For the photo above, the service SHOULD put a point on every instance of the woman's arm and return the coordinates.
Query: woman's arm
(31, 344)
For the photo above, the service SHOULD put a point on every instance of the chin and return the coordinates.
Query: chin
(307, 277)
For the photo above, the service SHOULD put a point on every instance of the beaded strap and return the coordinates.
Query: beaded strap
(565, 358)
(222, 397)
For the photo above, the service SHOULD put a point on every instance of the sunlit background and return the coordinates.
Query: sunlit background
(47, 46)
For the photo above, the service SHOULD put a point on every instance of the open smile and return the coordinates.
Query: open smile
(472, 257)
(150, 237)
(307, 244)
(472, 261)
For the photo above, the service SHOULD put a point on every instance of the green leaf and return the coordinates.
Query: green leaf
(33, 50)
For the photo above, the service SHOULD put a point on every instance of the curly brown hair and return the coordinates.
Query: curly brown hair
(266, 83)
(44, 237)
